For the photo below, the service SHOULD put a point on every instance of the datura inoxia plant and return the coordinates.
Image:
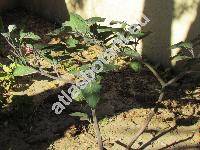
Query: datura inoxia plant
(75, 36)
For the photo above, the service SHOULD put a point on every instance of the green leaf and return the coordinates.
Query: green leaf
(109, 67)
(79, 98)
(109, 29)
(29, 35)
(85, 67)
(140, 35)
(77, 23)
(136, 66)
(93, 100)
(72, 42)
(127, 51)
(91, 88)
(94, 20)
(186, 45)
(39, 46)
(83, 116)
(21, 70)
(92, 93)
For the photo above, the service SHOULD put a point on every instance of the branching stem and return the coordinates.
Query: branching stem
(155, 73)
(155, 109)
(144, 126)
(96, 127)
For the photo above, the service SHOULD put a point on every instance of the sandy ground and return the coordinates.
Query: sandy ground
(120, 116)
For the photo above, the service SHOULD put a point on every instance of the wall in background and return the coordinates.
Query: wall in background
(172, 21)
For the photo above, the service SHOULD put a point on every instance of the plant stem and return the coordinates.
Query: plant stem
(155, 109)
(146, 123)
(96, 127)
(14, 48)
(56, 71)
(178, 77)
(162, 82)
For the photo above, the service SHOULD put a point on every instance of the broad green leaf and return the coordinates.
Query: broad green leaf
(93, 100)
(21, 70)
(79, 98)
(29, 35)
(85, 67)
(186, 45)
(109, 67)
(83, 116)
(94, 20)
(91, 88)
(40, 46)
(130, 52)
(136, 66)
(92, 93)
(72, 42)
(77, 23)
